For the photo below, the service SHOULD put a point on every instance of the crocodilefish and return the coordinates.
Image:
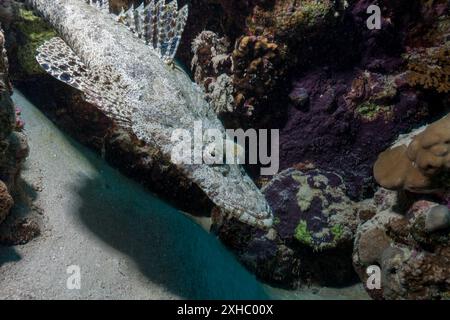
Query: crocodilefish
(157, 23)
(126, 78)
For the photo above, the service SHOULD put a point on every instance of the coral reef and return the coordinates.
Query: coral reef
(239, 84)
(212, 67)
(430, 68)
(428, 48)
(258, 66)
(340, 95)
(343, 109)
(13, 144)
(312, 207)
(342, 121)
(408, 238)
(315, 223)
(338, 98)
(6, 201)
(211, 57)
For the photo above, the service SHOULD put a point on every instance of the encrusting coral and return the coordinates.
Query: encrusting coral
(258, 66)
(314, 227)
(13, 144)
(430, 68)
(6, 201)
(212, 65)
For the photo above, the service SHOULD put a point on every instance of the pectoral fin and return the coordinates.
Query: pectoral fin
(102, 87)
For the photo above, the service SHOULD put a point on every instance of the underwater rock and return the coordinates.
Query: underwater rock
(312, 236)
(345, 120)
(212, 66)
(6, 13)
(6, 201)
(419, 162)
(258, 68)
(428, 49)
(344, 112)
(311, 207)
(239, 83)
(13, 144)
(6, 106)
(351, 104)
(413, 260)
(438, 218)
(211, 57)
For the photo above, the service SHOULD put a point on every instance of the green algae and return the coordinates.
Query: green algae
(302, 233)
(337, 231)
(370, 111)
(34, 31)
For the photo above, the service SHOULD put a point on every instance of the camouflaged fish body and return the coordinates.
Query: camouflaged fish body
(157, 23)
(127, 80)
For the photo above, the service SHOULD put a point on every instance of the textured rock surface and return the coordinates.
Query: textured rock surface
(212, 67)
(344, 107)
(312, 208)
(311, 240)
(350, 104)
(6, 201)
(438, 218)
(160, 99)
(13, 144)
(413, 259)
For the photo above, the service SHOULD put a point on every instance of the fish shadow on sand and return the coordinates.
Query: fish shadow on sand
(168, 247)
(8, 254)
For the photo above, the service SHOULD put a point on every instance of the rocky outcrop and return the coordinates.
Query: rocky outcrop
(6, 201)
(212, 67)
(408, 238)
(340, 108)
(312, 237)
(13, 143)
(346, 102)
(410, 234)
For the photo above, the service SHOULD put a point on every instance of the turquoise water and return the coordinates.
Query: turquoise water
(168, 247)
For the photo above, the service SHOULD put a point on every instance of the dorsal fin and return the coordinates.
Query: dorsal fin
(158, 23)
(103, 88)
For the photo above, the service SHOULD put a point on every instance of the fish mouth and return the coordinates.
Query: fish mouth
(262, 220)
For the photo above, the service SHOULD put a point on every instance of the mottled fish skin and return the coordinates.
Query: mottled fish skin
(158, 23)
(101, 87)
(127, 80)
